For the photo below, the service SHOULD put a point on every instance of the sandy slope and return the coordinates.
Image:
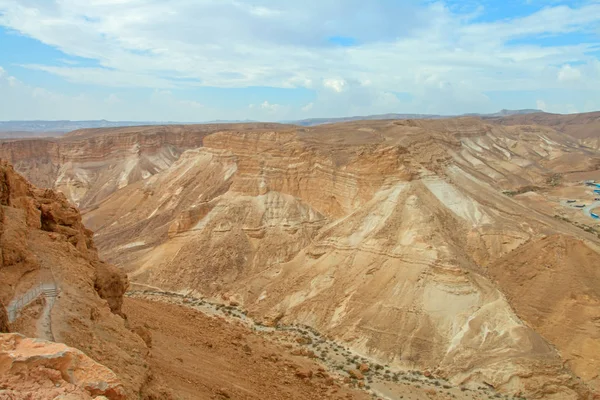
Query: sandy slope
(207, 358)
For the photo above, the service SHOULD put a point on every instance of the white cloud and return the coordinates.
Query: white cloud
(337, 85)
(569, 74)
(145, 43)
(270, 107)
(444, 60)
(19, 101)
(191, 103)
(105, 77)
(557, 108)
(308, 107)
(541, 105)
(258, 10)
(343, 98)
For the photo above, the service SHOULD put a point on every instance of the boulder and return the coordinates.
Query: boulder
(364, 367)
(111, 284)
(304, 373)
(39, 369)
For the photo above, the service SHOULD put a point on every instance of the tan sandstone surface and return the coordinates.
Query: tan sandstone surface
(409, 241)
(380, 233)
(36, 369)
(89, 164)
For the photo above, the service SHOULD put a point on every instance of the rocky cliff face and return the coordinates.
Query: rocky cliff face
(43, 242)
(381, 234)
(90, 164)
(4, 326)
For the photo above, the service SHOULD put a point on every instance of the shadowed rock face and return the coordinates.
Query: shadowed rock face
(3, 320)
(111, 284)
(33, 368)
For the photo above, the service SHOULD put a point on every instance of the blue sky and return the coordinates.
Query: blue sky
(280, 60)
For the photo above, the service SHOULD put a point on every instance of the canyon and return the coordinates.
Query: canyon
(441, 245)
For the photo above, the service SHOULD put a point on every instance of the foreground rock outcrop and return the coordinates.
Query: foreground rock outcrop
(36, 369)
(44, 242)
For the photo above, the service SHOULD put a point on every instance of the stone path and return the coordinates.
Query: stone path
(49, 291)
(44, 324)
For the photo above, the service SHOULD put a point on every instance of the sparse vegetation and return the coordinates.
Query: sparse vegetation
(581, 226)
(521, 190)
(554, 180)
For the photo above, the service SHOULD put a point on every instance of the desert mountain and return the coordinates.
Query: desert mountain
(88, 165)
(23, 129)
(320, 121)
(72, 340)
(418, 243)
(584, 127)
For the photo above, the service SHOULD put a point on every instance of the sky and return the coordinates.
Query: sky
(276, 60)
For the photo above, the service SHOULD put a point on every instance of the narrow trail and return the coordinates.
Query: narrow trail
(49, 291)
(19, 303)
(44, 323)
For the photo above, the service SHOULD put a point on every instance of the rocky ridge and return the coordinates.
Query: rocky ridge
(36, 369)
(89, 164)
(583, 127)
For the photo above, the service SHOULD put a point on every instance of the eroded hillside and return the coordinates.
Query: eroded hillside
(71, 339)
(399, 238)
(381, 234)
(584, 127)
(90, 164)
